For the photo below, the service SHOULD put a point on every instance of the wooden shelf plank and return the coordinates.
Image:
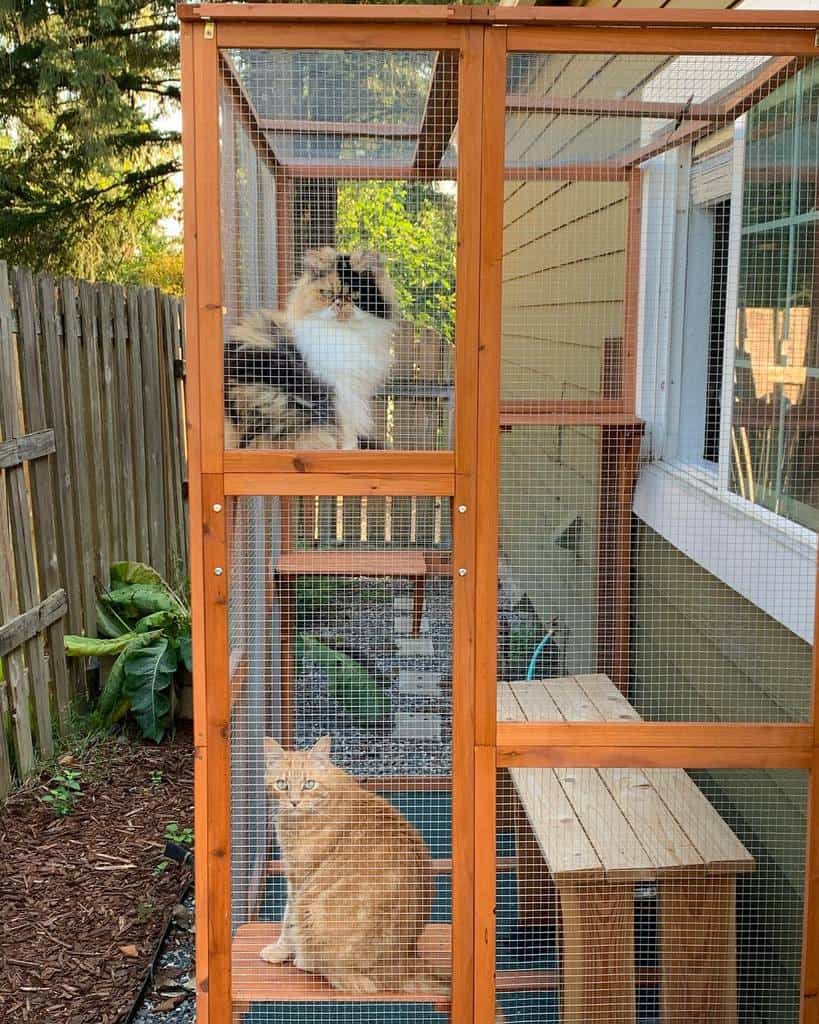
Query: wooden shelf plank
(352, 563)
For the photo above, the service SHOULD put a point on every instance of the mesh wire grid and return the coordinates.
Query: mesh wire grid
(676, 554)
(659, 567)
(339, 218)
(647, 895)
(340, 632)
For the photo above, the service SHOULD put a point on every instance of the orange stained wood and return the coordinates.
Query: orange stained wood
(380, 14)
(254, 980)
(200, 765)
(464, 512)
(353, 484)
(673, 41)
(412, 463)
(217, 774)
(352, 563)
(206, 250)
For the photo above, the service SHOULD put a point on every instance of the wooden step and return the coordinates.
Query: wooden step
(254, 980)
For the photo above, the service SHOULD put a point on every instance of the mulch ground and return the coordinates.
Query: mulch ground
(83, 902)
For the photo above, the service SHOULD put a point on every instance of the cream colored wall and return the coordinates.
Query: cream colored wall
(563, 286)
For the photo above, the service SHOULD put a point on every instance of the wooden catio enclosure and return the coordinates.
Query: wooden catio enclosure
(503, 355)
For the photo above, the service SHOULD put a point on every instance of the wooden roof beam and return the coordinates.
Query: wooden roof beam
(440, 114)
(401, 132)
(246, 111)
(732, 106)
(614, 108)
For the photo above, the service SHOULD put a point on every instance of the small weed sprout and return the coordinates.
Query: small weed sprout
(175, 834)
(161, 868)
(64, 788)
(157, 777)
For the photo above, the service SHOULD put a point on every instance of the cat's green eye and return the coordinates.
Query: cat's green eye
(281, 784)
(309, 784)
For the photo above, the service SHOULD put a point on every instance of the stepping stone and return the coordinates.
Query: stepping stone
(419, 684)
(414, 647)
(413, 725)
(403, 624)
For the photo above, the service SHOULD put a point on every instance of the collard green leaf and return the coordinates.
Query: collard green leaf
(132, 573)
(186, 651)
(172, 622)
(109, 623)
(354, 688)
(142, 598)
(149, 673)
(111, 696)
(91, 646)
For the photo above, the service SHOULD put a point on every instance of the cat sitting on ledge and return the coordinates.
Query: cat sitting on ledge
(305, 377)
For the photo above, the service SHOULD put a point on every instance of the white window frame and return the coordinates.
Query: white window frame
(768, 559)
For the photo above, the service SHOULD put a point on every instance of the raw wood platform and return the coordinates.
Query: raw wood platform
(585, 836)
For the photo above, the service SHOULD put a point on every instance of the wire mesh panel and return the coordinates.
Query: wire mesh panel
(658, 460)
(341, 697)
(339, 238)
(639, 895)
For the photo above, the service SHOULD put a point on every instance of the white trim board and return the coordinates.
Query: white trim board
(772, 567)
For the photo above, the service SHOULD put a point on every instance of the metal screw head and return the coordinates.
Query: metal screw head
(462, 508)
(218, 570)
(462, 572)
(217, 507)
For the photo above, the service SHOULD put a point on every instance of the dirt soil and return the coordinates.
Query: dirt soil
(84, 902)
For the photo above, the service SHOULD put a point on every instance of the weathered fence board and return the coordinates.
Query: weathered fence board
(29, 356)
(92, 468)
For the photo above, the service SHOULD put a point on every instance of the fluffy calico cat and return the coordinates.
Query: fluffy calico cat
(359, 878)
(305, 378)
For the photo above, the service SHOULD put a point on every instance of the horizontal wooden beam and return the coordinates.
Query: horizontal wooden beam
(307, 463)
(663, 40)
(654, 757)
(338, 484)
(28, 624)
(23, 449)
(386, 171)
(461, 14)
(653, 745)
(613, 108)
(401, 132)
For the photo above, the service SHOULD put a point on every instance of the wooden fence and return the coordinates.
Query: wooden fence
(92, 469)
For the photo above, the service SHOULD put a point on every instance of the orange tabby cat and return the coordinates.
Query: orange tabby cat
(359, 878)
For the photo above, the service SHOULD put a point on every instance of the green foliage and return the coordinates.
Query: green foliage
(174, 833)
(414, 225)
(148, 626)
(86, 165)
(352, 686)
(64, 789)
(157, 777)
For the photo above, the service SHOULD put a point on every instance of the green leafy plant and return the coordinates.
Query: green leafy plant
(176, 834)
(359, 693)
(157, 777)
(64, 789)
(146, 625)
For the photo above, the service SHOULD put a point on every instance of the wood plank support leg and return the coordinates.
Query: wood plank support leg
(418, 605)
(537, 895)
(598, 952)
(286, 587)
(698, 951)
